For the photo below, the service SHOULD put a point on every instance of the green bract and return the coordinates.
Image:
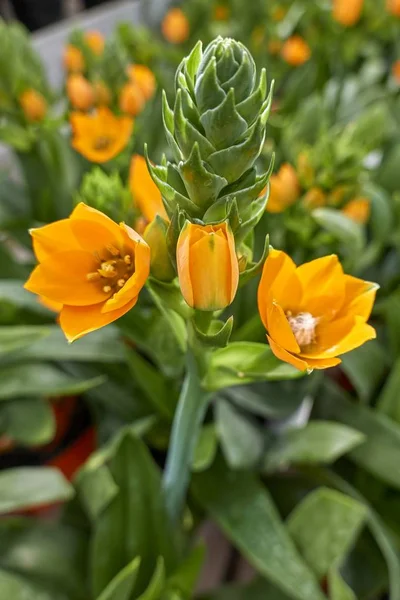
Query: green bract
(216, 131)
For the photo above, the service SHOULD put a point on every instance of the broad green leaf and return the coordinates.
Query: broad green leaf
(338, 588)
(317, 442)
(365, 368)
(41, 380)
(380, 452)
(157, 583)
(259, 589)
(241, 439)
(120, 588)
(134, 522)
(206, 448)
(325, 525)
(381, 221)
(12, 291)
(272, 399)
(389, 174)
(18, 588)
(242, 507)
(244, 362)
(28, 422)
(347, 231)
(96, 487)
(183, 580)
(26, 487)
(388, 401)
(17, 337)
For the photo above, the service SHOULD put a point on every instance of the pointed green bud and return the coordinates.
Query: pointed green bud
(155, 235)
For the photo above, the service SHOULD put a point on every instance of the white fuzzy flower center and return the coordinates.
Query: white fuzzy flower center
(303, 326)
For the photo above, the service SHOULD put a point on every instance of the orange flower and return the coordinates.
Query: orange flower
(144, 78)
(175, 26)
(358, 209)
(95, 41)
(314, 198)
(284, 189)
(396, 71)
(90, 265)
(73, 59)
(146, 194)
(131, 99)
(33, 104)
(313, 313)
(80, 92)
(347, 12)
(296, 51)
(50, 304)
(100, 136)
(208, 268)
(393, 6)
(221, 12)
(102, 93)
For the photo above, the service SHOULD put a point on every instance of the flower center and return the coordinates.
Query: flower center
(303, 326)
(114, 271)
(102, 142)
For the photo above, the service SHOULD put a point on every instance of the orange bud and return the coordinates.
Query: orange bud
(175, 26)
(144, 78)
(131, 99)
(393, 7)
(208, 268)
(296, 51)
(274, 46)
(95, 41)
(73, 59)
(80, 92)
(284, 189)
(278, 13)
(221, 12)
(347, 12)
(314, 198)
(33, 104)
(396, 71)
(358, 210)
(102, 93)
(338, 195)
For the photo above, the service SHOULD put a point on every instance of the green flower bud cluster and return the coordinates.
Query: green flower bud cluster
(107, 193)
(216, 132)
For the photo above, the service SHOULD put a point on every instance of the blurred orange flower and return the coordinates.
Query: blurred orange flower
(296, 51)
(313, 313)
(208, 268)
(91, 266)
(95, 41)
(347, 12)
(80, 92)
(314, 198)
(102, 93)
(33, 104)
(393, 6)
(358, 209)
(73, 59)
(145, 193)
(279, 13)
(101, 135)
(284, 189)
(144, 78)
(396, 71)
(131, 99)
(221, 12)
(175, 26)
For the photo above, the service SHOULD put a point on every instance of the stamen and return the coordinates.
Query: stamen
(121, 283)
(113, 250)
(107, 289)
(127, 259)
(102, 142)
(93, 276)
(303, 326)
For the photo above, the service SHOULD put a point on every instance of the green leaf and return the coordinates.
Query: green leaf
(388, 401)
(184, 579)
(347, 231)
(157, 583)
(12, 291)
(242, 507)
(96, 487)
(17, 588)
(41, 380)
(389, 174)
(324, 526)
(120, 588)
(245, 362)
(259, 589)
(224, 125)
(381, 221)
(206, 448)
(380, 452)
(317, 442)
(338, 588)
(365, 367)
(28, 422)
(26, 487)
(17, 337)
(218, 334)
(242, 440)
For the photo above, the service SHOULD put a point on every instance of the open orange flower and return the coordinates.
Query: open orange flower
(144, 78)
(313, 313)
(296, 51)
(347, 12)
(100, 136)
(284, 189)
(91, 266)
(396, 71)
(393, 6)
(146, 194)
(208, 267)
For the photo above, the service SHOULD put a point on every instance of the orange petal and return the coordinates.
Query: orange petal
(279, 329)
(277, 271)
(145, 193)
(361, 333)
(323, 286)
(76, 321)
(359, 297)
(329, 335)
(87, 213)
(53, 238)
(183, 262)
(323, 363)
(284, 355)
(62, 278)
(95, 237)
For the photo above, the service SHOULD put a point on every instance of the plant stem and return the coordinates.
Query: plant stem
(186, 426)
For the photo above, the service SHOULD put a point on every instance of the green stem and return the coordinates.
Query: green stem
(186, 426)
